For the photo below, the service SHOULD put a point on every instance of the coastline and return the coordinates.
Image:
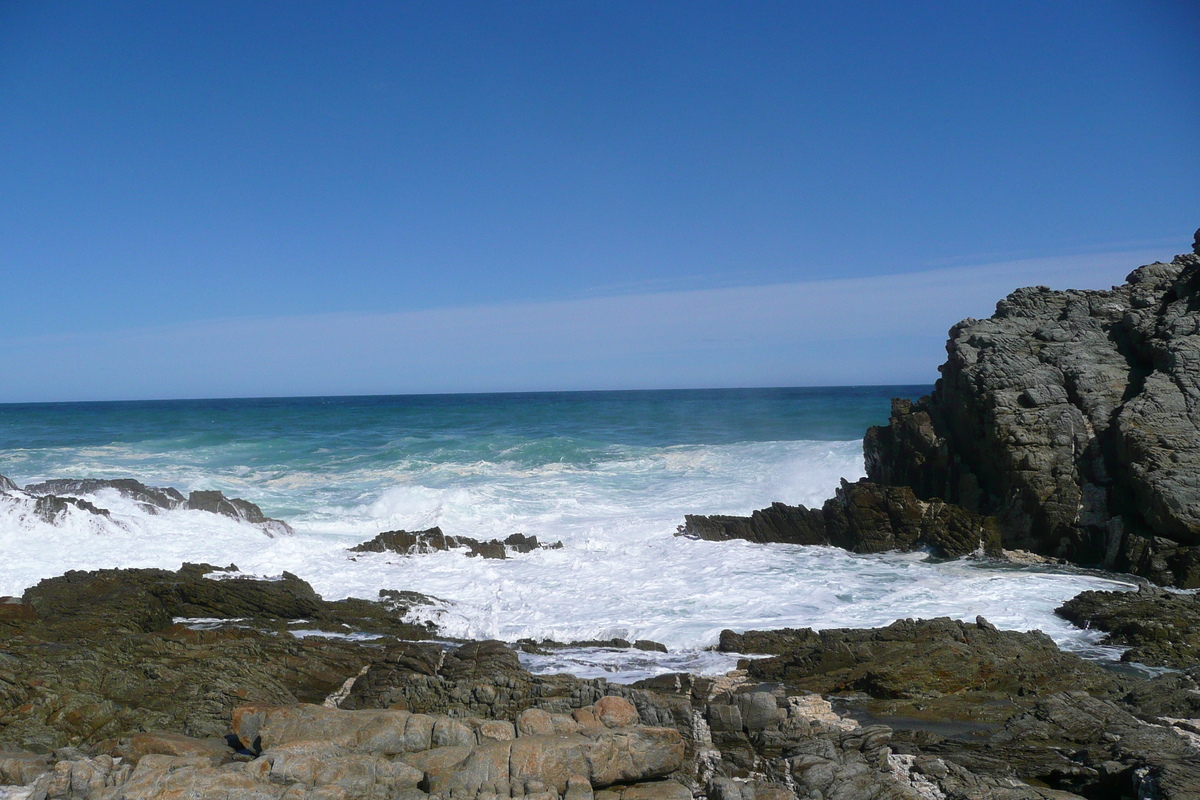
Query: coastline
(151, 683)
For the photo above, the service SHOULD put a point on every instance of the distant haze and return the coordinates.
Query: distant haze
(853, 331)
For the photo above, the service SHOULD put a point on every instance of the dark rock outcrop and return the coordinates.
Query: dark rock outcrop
(51, 507)
(54, 496)
(862, 517)
(433, 540)
(1161, 628)
(151, 497)
(1074, 418)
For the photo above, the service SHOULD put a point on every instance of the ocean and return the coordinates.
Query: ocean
(608, 474)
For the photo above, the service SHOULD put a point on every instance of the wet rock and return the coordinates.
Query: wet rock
(862, 517)
(1072, 417)
(54, 496)
(7, 485)
(153, 497)
(215, 502)
(433, 540)
(549, 645)
(1161, 628)
(51, 508)
(1175, 695)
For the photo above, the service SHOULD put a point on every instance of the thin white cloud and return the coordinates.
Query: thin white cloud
(888, 329)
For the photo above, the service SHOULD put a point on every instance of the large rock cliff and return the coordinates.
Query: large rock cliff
(1074, 418)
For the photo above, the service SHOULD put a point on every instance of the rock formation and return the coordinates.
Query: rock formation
(1073, 417)
(432, 540)
(53, 498)
(862, 517)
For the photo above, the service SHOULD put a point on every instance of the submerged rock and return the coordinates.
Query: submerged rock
(50, 508)
(862, 517)
(151, 496)
(1074, 418)
(433, 540)
(54, 496)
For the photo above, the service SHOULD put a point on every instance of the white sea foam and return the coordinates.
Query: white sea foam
(621, 573)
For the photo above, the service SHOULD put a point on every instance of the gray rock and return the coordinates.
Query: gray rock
(862, 517)
(1074, 418)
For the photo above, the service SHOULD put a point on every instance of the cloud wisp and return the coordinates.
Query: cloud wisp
(877, 330)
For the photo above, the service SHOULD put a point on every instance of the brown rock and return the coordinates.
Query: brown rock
(176, 744)
(616, 712)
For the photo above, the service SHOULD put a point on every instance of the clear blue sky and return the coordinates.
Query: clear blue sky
(174, 176)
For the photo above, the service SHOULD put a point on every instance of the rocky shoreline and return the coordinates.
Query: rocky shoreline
(149, 683)
(1066, 425)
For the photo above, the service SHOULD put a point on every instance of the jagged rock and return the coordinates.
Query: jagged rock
(151, 496)
(1161, 628)
(1074, 418)
(862, 517)
(236, 508)
(1076, 742)
(432, 540)
(50, 508)
(53, 497)
(7, 485)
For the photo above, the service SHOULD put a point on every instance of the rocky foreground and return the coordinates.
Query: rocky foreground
(201, 684)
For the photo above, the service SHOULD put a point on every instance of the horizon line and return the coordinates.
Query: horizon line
(645, 390)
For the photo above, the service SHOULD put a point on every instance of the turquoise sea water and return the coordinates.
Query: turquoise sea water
(609, 474)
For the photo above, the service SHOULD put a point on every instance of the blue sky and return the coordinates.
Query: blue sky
(213, 199)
